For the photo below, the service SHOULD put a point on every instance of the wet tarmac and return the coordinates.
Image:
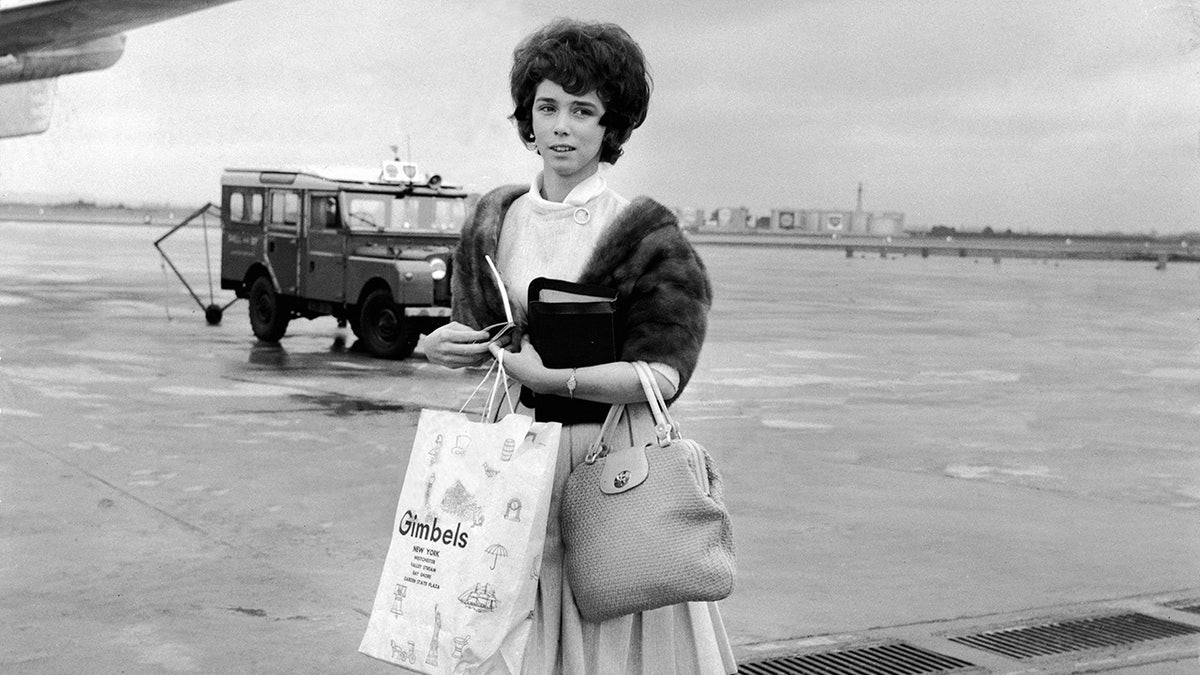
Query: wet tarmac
(913, 449)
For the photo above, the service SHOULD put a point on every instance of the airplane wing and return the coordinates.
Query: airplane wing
(65, 23)
(42, 40)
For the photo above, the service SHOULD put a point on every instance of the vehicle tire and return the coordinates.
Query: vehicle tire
(383, 328)
(269, 316)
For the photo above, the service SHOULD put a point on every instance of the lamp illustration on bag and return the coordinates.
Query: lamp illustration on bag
(435, 450)
(398, 603)
(460, 445)
(429, 488)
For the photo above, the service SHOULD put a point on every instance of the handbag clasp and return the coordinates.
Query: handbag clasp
(596, 451)
(663, 433)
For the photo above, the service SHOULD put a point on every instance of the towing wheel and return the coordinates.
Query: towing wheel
(383, 328)
(268, 317)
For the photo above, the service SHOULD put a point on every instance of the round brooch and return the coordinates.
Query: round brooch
(582, 216)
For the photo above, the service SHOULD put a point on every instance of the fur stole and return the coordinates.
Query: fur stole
(663, 291)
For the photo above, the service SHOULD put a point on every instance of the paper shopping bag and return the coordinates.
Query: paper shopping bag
(460, 579)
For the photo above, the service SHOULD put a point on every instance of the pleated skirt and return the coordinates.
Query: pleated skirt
(687, 638)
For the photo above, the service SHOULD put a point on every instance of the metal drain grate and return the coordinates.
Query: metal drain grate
(892, 659)
(1070, 636)
(1192, 606)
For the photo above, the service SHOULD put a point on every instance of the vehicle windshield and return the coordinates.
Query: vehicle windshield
(385, 213)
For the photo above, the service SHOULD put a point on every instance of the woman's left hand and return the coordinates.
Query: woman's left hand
(524, 366)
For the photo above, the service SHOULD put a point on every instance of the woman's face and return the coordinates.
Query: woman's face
(567, 131)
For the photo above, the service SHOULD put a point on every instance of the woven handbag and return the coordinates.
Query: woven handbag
(646, 526)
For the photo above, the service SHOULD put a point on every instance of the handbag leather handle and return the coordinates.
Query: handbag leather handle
(668, 428)
(597, 448)
(664, 428)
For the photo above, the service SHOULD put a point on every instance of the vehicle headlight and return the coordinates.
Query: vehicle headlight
(437, 269)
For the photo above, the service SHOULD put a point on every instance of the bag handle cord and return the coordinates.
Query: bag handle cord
(499, 384)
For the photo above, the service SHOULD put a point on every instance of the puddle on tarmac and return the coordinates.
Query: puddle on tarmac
(340, 405)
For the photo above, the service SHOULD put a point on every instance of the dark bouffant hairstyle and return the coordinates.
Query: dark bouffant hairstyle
(582, 57)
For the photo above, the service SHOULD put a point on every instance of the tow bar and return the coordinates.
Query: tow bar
(212, 311)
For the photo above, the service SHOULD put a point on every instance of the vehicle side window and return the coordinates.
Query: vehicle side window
(367, 213)
(323, 210)
(285, 209)
(406, 214)
(242, 210)
(428, 213)
(256, 207)
(450, 214)
(237, 207)
(291, 208)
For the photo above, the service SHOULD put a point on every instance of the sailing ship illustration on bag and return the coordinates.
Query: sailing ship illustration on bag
(481, 598)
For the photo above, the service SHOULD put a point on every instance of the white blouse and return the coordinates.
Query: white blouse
(541, 238)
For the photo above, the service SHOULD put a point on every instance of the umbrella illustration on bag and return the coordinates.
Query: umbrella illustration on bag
(496, 551)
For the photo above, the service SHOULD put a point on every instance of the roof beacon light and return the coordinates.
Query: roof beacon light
(390, 172)
(400, 172)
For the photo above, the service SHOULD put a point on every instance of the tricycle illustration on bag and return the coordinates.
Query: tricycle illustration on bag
(371, 248)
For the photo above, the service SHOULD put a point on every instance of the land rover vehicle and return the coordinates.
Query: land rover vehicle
(371, 248)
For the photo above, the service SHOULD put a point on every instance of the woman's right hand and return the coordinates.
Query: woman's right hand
(455, 345)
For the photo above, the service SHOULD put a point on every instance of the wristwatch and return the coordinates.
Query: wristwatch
(571, 384)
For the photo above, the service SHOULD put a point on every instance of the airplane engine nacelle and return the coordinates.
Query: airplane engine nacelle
(45, 64)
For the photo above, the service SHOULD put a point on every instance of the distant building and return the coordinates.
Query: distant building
(835, 222)
(860, 223)
(790, 220)
(830, 222)
(886, 224)
(729, 219)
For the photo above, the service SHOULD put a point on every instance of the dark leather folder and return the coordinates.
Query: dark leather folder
(571, 325)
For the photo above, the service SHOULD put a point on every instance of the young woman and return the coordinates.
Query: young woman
(580, 89)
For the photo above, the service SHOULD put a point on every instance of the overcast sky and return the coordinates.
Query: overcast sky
(1066, 115)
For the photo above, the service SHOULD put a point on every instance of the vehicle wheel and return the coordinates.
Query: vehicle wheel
(268, 316)
(383, 327)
